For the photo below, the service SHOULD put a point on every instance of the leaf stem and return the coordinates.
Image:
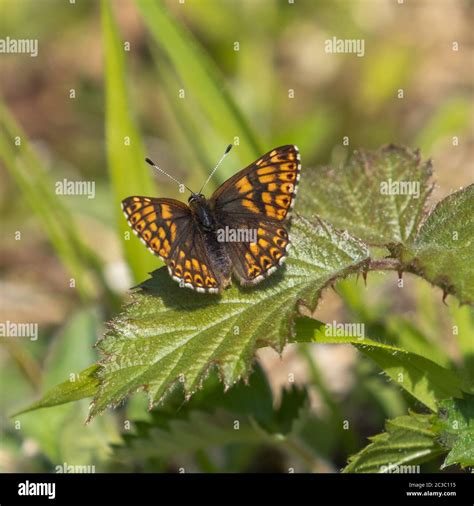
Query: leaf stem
(385, 264)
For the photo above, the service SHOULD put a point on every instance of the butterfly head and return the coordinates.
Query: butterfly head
(195, 199)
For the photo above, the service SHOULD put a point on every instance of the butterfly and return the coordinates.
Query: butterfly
(240, 230)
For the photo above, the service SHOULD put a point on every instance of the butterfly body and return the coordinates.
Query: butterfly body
(208, 225)
(202, 212)
(239, 230)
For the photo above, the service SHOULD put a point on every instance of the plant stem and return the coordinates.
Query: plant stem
(385, 264)
(314, 463)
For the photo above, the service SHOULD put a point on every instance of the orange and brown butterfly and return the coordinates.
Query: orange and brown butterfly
(241, 229)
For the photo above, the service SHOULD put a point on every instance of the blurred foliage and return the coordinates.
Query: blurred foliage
(229, 93)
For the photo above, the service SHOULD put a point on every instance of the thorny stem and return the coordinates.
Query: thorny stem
(386, 264)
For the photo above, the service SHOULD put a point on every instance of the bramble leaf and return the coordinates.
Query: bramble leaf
(456, 421)
(442, 251)
(85, 385)
(244, 414)
(409, 440)
(168, 333)
(377, 196)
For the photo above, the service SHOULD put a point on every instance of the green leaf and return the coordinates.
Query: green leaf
(442, 251)
(425, 380)
(85, 385)
(200, 78)
(353, 197)
(408, 441)
(244, 414)
(168, 332)
(456, 421)
(129, 173)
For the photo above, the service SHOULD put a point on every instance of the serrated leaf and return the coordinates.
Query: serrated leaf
(352, 197)
(85, 385)
(244, 414)
(409, 440)
(456, 420)
(168, 332)
(425, 380)
(442, 251)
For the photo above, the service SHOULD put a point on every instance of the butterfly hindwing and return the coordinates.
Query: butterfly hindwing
(265, 189)
(255, 260)
(194, 266)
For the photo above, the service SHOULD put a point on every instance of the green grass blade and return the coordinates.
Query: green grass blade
(37, 189)
(201, 79)
(425, 380)
(129, 173)
(196, 150)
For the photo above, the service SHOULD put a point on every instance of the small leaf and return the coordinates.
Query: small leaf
(442, 250)
(215, 418)
(456, 421)
(425, 380)
(409, 440)
(361, 197)
(84, 385)
(168, 333)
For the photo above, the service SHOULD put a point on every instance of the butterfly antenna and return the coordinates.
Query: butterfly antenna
(153, 164)
(226, 152)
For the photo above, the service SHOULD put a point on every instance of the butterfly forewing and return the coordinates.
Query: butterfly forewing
(157, 222)
(264, 189)
(167, 228)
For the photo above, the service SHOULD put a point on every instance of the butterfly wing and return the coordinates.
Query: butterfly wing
(265, 189)
(156, 222)
(253, 261)
(168, 230)
(259, 198)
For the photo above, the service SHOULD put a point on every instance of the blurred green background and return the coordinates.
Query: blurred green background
(177, 81)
